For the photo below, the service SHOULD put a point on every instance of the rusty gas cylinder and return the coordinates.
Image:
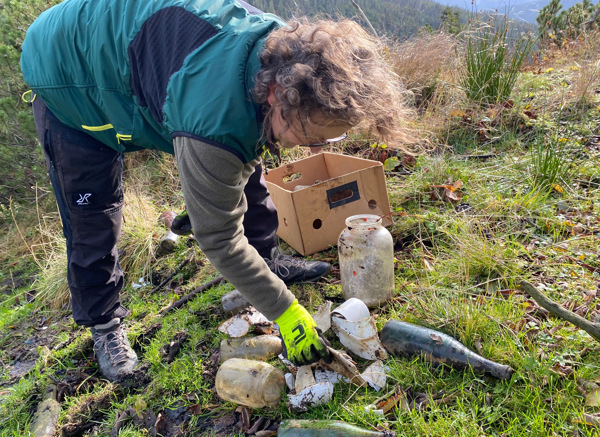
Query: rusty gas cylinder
(402, 338)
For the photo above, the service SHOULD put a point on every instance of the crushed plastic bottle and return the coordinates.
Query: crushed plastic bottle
(261, 348)
(255, 384)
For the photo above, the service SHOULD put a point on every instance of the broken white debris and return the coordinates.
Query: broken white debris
(290, 381)
(356, 329)
(329, 375)
(139, 284)
(240, 324)
(375, 375)
(304, 378)
(317, 394)
(373, 409)
(290, 366)
(323, 316)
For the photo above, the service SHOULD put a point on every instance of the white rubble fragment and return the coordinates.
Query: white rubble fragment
(329, 375)
(139, 284)
(240, 324)
(356, 330)
(375, 375)
(290, 366)
(373, 409)
(323, 316)
(317, 394)
(304, 378)
(290, 381)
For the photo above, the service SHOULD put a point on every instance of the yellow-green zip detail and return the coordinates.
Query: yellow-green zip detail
(97, 128)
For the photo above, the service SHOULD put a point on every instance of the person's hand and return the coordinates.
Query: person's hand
(181, 224)
(302, 342)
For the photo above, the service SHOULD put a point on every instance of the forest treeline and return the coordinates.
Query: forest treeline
(396, 19)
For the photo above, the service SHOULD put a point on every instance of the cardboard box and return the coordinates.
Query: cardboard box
(334, 187)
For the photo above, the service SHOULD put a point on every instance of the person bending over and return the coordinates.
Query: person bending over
(214, 82)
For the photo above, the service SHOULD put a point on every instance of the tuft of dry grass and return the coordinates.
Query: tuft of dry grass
(34, 238)
(427, 65)
(587, 83)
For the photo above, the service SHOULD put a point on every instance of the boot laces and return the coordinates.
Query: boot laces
(282, 264)
(113, 343)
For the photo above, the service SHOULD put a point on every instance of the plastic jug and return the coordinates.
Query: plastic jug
(366, 256)
(255, 384)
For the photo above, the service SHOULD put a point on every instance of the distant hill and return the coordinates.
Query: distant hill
(525, 10)
(398, 19)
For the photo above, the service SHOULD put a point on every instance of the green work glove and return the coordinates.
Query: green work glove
(302, 341)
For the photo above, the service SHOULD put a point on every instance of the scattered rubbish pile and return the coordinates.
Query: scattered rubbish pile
(244, 375)
(245, 378)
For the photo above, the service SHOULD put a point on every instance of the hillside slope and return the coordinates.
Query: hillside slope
(397, 19)
(522, 10)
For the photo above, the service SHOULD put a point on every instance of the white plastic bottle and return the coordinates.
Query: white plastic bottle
(255, 384)
(366, 255)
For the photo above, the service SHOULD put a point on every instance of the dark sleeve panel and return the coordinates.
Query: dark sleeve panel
(159, 50)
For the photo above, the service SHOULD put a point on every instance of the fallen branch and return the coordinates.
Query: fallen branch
(591, 21)
(545, 302)
(179, 303)
(172, 275)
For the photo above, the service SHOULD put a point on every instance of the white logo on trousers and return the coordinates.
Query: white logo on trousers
(84, 199)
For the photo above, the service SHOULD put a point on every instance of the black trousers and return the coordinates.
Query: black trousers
(87, 179)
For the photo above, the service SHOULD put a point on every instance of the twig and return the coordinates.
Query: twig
(364, 17)
(545, 302)
(477, 157)
(172, 275)
(582, 264)
(184, 299)
(589, 23)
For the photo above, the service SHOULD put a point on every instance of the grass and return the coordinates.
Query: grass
(525, 208)
(491, 66)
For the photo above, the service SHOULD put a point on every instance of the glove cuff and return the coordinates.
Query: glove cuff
(290, 316)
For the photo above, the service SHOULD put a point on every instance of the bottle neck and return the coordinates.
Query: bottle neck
(363, 221)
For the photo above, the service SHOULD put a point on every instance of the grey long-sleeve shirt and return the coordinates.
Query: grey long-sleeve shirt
(213, 182)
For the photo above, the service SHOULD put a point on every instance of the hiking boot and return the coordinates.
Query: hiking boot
(291, 269)
(113, 351)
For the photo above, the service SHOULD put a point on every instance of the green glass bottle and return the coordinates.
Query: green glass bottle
(326, 428)
(402, 338)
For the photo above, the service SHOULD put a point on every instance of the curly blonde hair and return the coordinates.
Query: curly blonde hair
(333, 68)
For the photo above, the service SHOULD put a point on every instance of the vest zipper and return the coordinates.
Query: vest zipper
(107, 127)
